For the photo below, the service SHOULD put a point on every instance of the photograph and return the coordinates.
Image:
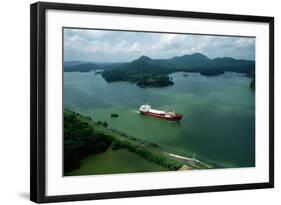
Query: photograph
(146, 101)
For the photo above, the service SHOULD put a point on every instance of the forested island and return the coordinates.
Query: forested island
(154, 81)
(83, 137)
(147, 72)
(253, 84)
(141, 72)
(212, 72)
(252, 75)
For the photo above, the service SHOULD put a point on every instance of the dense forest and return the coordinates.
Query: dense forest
(80, 141)
(154, 81)
(140, 71)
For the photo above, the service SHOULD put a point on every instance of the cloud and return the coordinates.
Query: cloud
(120, 46)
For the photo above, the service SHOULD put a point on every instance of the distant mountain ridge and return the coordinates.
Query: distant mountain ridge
(72, 63)
(84, 67)
(199, 62)
(196, 62)
(191, 62)
(146, 71)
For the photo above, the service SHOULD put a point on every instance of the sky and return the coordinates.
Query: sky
(124, 46)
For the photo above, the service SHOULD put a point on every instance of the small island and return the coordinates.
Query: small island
(212, 72)
(142, 80)
(252, 75)
(114, 115)
(154, 81)
(252, 84)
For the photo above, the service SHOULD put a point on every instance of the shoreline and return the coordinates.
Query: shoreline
(189, 159)
(147, 150)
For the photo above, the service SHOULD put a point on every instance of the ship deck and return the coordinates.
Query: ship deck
(156, 111)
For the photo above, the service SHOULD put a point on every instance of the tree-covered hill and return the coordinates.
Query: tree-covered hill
(145, 71)
(193, 61)
(72, 63)
(84, 67)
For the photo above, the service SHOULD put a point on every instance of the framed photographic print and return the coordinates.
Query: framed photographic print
(129, 102)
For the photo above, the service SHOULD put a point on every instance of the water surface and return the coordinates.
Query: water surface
(218, 122)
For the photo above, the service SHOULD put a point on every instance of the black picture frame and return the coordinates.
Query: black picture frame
(38, 100)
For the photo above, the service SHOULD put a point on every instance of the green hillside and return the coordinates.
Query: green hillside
(145, 71)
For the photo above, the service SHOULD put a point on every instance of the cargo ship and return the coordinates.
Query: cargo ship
(147, 110)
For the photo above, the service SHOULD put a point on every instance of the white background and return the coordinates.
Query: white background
(56, 185)
(14, 103)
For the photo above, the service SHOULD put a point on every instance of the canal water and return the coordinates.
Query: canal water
(218, 122)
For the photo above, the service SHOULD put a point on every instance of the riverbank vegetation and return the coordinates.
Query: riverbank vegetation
(82, 137)
(80, 140)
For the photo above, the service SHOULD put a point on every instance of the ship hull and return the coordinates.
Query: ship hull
(176, 117)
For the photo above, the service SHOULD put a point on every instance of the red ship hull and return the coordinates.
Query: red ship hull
(175, 117)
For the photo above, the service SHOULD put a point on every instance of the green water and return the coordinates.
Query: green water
(218, 122)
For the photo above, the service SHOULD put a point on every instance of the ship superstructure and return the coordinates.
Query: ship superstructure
(146, 109)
